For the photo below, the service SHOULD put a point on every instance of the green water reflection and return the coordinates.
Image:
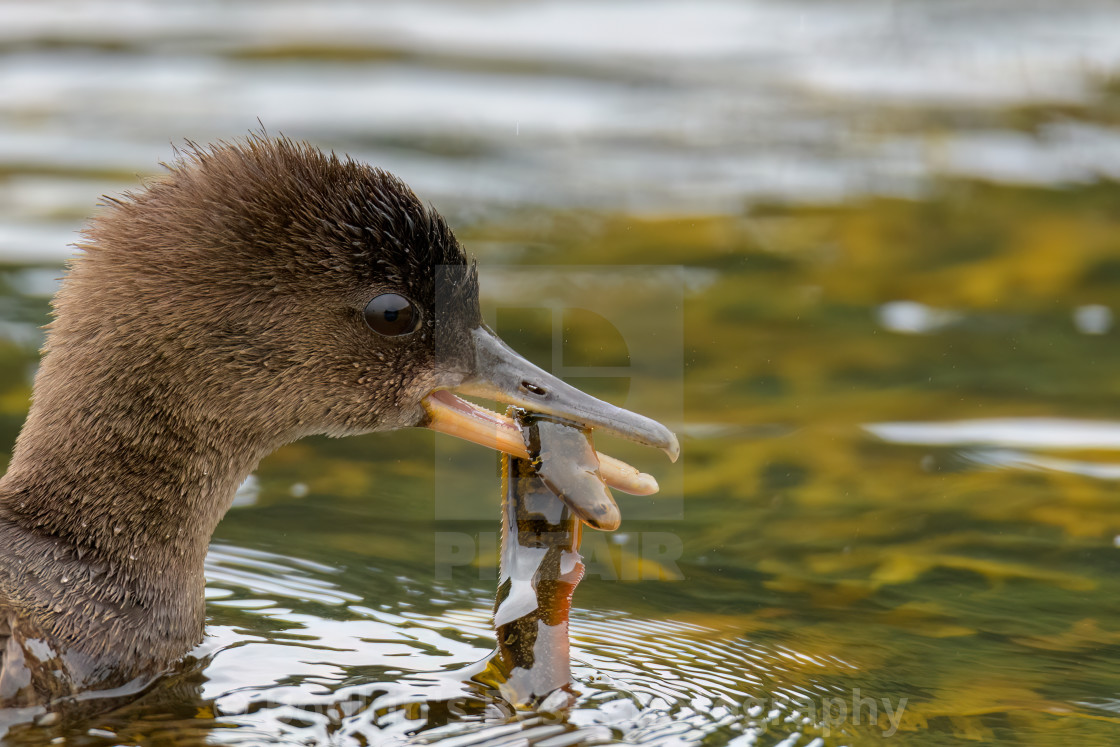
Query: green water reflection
(975, 577)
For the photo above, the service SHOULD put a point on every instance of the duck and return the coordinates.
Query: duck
(258, 292)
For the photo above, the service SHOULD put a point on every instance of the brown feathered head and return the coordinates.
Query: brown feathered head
(312, 293)
(264, 291)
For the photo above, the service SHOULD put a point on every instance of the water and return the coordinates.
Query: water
(863, 256)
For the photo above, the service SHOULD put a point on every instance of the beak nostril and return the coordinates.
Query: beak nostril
(532, 388)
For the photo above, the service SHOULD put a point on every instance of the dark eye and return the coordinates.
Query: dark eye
(391, 315)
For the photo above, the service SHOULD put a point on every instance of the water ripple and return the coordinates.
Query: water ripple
(292, 655)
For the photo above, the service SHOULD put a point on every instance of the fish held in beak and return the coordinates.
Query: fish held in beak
(501, 374)
(565, 460)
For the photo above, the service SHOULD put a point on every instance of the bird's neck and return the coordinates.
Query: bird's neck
(117, 482)
(135, 480)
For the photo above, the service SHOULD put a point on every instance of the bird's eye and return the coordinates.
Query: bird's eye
(391, 315)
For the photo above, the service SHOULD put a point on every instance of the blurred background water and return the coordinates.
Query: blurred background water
(892, 239)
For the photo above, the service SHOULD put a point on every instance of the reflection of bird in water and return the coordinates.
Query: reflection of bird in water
(257, 294)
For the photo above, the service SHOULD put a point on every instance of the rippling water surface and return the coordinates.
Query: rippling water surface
(864, 256)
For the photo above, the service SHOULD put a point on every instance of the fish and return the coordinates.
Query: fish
(548, 497)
